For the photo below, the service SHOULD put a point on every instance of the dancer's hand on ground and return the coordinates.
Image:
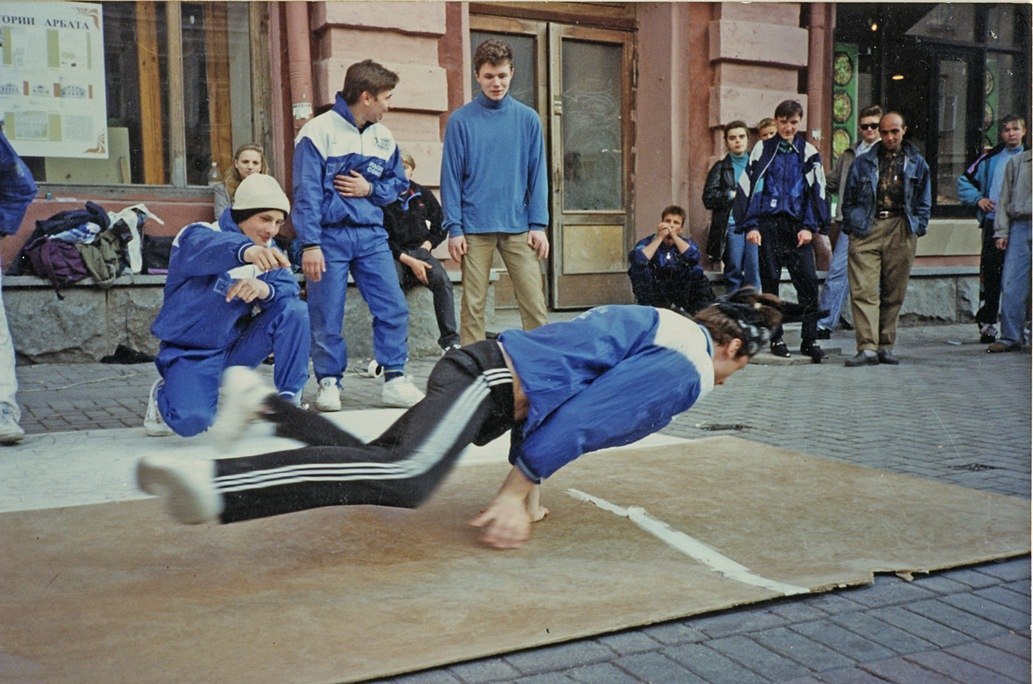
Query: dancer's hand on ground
(506, 523)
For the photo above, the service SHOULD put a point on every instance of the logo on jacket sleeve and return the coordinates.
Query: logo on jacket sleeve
(375, 169)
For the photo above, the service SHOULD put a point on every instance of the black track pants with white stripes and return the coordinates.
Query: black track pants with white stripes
(469, 400)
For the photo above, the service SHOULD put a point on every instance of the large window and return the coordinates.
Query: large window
(179, 95)
(952, 69)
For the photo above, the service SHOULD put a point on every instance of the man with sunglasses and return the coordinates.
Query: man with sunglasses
(886, 205)
(834, 293)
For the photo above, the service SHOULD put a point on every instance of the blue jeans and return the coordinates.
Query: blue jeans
(741, 262)
(836, 285)
(363, 252)
(1015, 283)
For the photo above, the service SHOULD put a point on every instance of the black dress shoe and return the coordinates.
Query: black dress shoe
(780, 349)
(862, 358)
(844, 324)
(823, 334)
(886, 356)
(809, 348)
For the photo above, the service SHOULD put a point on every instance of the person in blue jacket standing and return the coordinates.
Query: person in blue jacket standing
(17, 190)
(495, 193)
(562, 390)
(665, 268)
(230, 300)
(341, 231)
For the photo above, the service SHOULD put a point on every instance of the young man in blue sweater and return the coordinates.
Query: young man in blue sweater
(495, 193)
(563, 390)
(341, 230)
(780, 205)
(219, 275)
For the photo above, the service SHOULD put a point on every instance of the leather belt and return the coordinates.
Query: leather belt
(888, 213)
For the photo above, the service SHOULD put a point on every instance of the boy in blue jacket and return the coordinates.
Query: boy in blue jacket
(346, 169)
(230, 300)
(562, 390)
(780, 205)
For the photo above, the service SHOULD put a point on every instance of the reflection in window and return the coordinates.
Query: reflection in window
(951, 152)
(947, 21)
(593, 163)
(214, 56)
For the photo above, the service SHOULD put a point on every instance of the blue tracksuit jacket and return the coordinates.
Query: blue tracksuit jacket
(612, 376)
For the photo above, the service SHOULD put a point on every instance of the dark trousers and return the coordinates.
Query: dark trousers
(991, 265)
(653, 288)
(778, 250)
(440, 286)
(469, 400)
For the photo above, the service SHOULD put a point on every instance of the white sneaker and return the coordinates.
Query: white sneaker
(240, 395)
(153, 424)
(400, 392)
(10, 431)
(188, 486)
(328, 397)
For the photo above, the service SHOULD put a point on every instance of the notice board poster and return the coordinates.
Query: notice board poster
(52, 94)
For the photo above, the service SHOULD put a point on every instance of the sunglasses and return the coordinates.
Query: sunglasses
(868, 126)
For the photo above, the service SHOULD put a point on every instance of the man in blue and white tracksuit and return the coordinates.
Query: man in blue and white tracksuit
(347, 167)
(230, 300)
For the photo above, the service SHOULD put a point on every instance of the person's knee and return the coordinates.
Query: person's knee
(187, 422)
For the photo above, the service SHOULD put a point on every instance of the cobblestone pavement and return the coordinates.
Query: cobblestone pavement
(949, 412)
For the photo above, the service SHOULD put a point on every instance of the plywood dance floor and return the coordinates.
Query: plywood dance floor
(119, 592)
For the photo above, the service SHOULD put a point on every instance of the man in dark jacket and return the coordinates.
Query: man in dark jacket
(724, 244)
(413, 224)
(886, 205)
(665, 268)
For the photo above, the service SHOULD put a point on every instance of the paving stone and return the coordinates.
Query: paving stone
(853, 675)
(487, 670)
(655, 667)
(842, 640)
(888, 592)
(674, 633)
(559, 657)
(973, 577)
(710, 665)
(428, 677)
(934, 632)
(939, 584)
(1014, 569)
(625, 643)
(904, 671)
(756, 657)
(602, 673)
(737, 622)
(951, 666)
(994, 659)
(991, 610)
(813, 655)
(1016, 644)
(883, 633)
(963, 621)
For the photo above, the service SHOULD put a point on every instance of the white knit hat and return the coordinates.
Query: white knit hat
(260, 191)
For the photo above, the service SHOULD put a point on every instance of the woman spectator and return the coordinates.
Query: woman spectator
(248, 159)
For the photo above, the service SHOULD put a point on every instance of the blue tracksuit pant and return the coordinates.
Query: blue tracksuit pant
(189, 398)
(364, 253)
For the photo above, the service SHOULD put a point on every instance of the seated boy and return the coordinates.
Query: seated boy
(413, 224)
(665, 267)
(230, 300)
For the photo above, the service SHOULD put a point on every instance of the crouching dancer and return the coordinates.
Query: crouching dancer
(230, 300)
(564, 389)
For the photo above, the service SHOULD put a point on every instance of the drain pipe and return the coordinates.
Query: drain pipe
(299, 64)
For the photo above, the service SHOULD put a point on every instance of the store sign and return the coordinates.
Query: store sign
(52, 94)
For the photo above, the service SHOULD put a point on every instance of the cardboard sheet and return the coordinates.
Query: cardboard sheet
(119, 591)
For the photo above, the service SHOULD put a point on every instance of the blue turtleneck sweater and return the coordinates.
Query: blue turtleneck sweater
(493, 174)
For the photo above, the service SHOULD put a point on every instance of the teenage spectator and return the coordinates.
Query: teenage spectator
(561, 391)
(346, 168)
(495, 194)
(248, 159)
(17, 190)
(980, 185)
(780, 205)
(1012, 232)
(413, 224)
(219, 275)
(836, 287)
(723, 243)
(665, 267)
(766, 128)
(886, 204)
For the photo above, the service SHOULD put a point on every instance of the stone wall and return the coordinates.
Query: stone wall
(89, 323)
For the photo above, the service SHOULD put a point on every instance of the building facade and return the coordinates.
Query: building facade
(632, 97)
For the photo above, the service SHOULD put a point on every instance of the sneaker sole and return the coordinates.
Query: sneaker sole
(185, 503)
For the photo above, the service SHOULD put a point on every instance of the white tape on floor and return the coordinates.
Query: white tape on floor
(690, 547)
